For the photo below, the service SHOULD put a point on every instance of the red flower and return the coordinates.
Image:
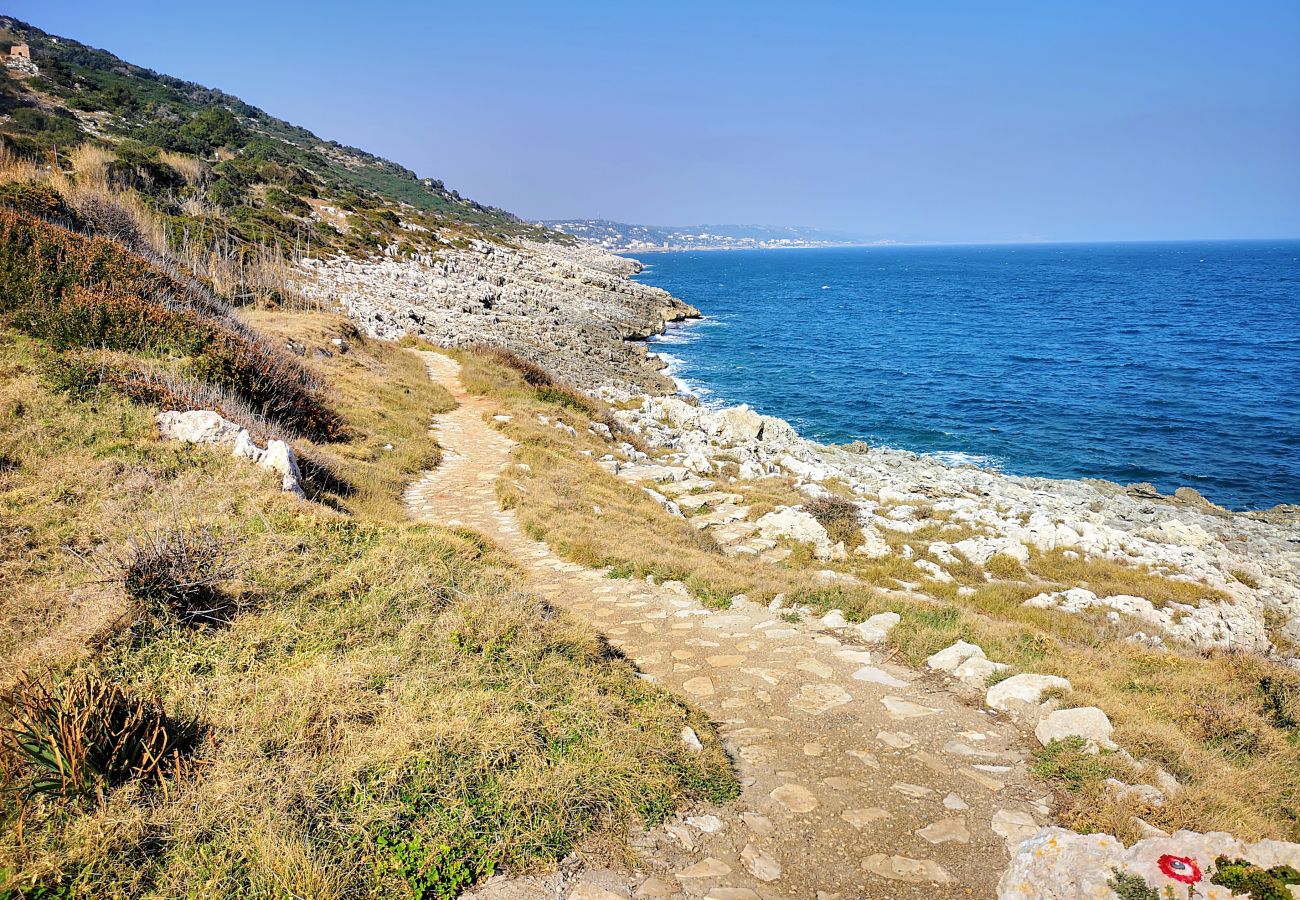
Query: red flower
(1180, 868)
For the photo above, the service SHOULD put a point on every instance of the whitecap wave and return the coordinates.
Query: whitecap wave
(958, 458)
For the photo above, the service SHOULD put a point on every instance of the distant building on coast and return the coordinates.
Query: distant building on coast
(20, 51)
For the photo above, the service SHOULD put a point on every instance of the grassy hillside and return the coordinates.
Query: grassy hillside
(222, 174)
(209, 687)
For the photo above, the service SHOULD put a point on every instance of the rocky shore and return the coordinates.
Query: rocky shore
(569, 307)
(573, 309)
(1253, 560)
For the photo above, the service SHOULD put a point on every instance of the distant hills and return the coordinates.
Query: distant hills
(621, 237)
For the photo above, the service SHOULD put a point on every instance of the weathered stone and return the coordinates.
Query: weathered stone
(1021, 691)
(949, 658)
(1086, 722)
(902, 868)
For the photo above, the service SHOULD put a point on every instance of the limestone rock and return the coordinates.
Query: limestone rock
(202, 426)
(1014, 826)
(1020, 691)
(876, 629)
(975, 671)
(1086, 722)
(903, 868)
(1057, 864)
(873, 545)
(796, 525)
(198, 426)
(949, 658)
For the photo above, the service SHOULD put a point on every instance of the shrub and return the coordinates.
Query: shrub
(85, 736)
(138, 307)
(35, 198)
(1003, 566)
(1253, 881)
(175, 573)
(534, 375)
(1131, 886)
(838, 516)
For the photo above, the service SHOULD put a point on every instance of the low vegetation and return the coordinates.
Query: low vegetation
(212, 688)
(1208, 718)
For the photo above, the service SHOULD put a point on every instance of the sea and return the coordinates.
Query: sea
(1170, 363)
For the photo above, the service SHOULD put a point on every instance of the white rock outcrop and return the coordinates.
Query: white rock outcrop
(1056, 864)
(949, 658)
(876, 629)
(796, 525)
(1086, 722)
(201, 426)
(1019, 692)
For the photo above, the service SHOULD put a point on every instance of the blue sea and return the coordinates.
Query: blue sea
(1172, 363)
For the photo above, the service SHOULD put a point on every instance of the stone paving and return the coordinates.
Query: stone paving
(860, 778)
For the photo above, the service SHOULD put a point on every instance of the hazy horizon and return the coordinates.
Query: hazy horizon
(1012, 123)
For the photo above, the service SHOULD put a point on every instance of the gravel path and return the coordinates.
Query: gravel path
(861, 778)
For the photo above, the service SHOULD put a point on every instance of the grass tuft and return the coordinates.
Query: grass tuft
(77, 739)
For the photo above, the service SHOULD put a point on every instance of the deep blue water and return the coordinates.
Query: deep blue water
(1177, 364)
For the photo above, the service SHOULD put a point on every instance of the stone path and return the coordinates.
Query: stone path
(861, 778)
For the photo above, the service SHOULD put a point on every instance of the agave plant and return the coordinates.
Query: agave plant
(85, 735)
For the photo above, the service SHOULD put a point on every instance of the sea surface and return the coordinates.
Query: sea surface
(1173, 363)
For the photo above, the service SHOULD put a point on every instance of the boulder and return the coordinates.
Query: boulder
(949, 658)
(1021, 691)
(876, 629)
(737, 425)
(1086, 722)
(796, 525)
(278, 457)
(976, 670)
(197, 426)
(834, 619)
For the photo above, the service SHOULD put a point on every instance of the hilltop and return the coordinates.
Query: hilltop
(267, 180)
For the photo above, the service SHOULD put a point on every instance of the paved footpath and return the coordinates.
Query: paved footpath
(861, 778)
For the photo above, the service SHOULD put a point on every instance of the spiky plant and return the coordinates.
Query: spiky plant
(78, 738)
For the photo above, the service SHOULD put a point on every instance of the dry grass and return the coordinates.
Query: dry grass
(1224, 724)
(195, 171)
(387, 399)
(387, 716)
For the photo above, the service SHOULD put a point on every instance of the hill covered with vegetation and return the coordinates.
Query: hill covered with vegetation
(220, 171)
(210, 686)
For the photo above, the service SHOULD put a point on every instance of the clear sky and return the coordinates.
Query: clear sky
(941, 121)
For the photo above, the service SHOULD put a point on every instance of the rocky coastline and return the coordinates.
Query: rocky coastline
(574, 309)
(569, 307)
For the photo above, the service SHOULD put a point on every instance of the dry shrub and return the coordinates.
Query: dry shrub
(176, 573)
(195, 171)
(85, 374)
(838, 516)
(1003, 566)
(534, 375)
(138, 306)
(84, 736)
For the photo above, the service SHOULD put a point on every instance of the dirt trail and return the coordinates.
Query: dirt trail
(861, 778)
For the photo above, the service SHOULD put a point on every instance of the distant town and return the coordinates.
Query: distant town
(619, 237)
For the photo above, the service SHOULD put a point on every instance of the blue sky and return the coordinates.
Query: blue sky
(913, 121)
